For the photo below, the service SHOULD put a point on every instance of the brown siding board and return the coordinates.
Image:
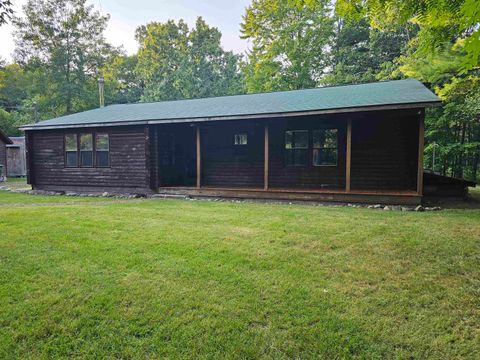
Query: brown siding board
(309, 176)
(384, 155)
(128, 160)
(3, 157)
(385, 151)
(225, 164)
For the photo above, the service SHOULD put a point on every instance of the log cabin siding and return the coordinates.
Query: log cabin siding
(385, 151)
(384, 155)
(128, 160)
(153, 156)
(227, 165)
(3, 156)
(308, 176)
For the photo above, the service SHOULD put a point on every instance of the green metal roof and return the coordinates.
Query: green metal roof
(372, 96)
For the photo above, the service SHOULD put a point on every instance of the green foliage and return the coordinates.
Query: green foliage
(444, 54)
(6, 11)
(362, 54)
(290, 41)
(440, 21)
(64, 38)
(121, 82)
(10, 121)
(175, 62)
(13, 84)
(455, 127)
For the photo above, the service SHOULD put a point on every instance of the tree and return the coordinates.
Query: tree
(175, 62)
(444, 54)
(10, 121)
(439, 21)
(14, 82)
(455, 127)
(121, 82)
(6, 11)
(290, 43)
(362, 54)
(65, 39)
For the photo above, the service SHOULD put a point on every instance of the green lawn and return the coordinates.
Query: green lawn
(100, 278)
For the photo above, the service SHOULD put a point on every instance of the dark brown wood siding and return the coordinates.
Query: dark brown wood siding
(228, 165)
(128, 160)
(3, 156)
(153, 152)
(384, 155)
(385, 151)
(308, 176)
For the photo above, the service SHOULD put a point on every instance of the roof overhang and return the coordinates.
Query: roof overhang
(418, 105)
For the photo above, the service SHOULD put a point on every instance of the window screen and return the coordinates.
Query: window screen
(296, 147)
(240, 139)
(86, 150)
(102, 150)
(325, 148)
(71, 148)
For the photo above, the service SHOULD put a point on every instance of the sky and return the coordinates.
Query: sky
(126, 15)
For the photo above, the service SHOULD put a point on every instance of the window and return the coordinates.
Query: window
(102, 150)
(86, 150)
(296, 147)
(80, 150)
(240, 139)
(325, 149)
(71, 147)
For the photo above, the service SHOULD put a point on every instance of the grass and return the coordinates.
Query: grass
(194, 279)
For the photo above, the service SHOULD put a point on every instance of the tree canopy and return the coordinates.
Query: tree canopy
(290, 41)
(6, 11)
(175, 62)
(440, 21)
(65, 38)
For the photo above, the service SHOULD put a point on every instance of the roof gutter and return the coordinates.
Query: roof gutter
(235, 117)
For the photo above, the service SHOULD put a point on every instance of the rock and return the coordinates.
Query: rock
(419, 208)
(105, 194)
(386, 208)
(378, 206)
(170, 196)
(406, 209)
(435, 208)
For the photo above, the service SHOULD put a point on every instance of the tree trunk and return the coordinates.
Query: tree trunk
(461, 157)
(475, 166)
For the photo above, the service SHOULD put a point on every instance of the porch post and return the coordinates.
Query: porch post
(421, 144)
(265, 161)
(199, 160)
(348, 156)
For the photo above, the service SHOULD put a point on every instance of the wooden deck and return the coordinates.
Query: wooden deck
(314, 195)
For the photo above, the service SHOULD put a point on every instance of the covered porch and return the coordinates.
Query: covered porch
(365, 157)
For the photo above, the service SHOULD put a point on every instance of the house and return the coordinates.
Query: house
(4, 140)
(345, 143)
(16, 160)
